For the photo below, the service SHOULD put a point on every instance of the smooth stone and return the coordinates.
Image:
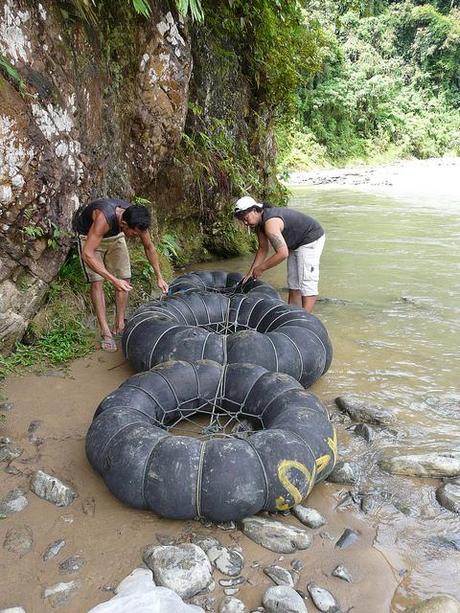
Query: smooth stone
(344, 473)
(275, 536)
(452, 540)
(342, 573)
(348, 538)
(228, 562)
(365, 432)
(231, 591)
(226, 525)
(53, 549)
(19, 540)
(283, 599)
(60, 593)
(71, 565)
(308, 516)
(323, 599)
(13, 610)
(232, 582)
(204, 542)
(367, 413)
(443, 464)
(52, 489)
(138, 592)
(438, 604)
(185, 569)
(279, 575)
(13, 502)
(232, 605)
(448, 496)
(6, 407)
(298, 565)
(8, 454)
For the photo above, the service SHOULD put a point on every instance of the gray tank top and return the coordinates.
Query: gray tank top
(299, 229)
(108, 207)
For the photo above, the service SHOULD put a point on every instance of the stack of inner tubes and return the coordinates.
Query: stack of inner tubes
(270, 468)
(248, 327)
(235, 352)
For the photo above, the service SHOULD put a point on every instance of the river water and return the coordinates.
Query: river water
(390, 299)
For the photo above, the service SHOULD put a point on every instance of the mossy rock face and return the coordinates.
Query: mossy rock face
(89, 108)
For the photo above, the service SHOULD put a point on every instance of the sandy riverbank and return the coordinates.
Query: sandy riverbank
(110, 537)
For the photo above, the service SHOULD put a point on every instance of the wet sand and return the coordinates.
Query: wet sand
(111, 537)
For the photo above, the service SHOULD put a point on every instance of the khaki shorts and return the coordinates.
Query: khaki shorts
(113, 253)
(303, 267)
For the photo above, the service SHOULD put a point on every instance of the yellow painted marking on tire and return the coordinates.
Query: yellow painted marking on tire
(322, 462)
(283, 468)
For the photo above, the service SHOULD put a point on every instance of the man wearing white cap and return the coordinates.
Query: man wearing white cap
(294, 236)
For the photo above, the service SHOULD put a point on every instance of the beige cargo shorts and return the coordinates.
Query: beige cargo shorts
(113, 253)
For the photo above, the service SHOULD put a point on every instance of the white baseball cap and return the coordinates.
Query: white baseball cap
(245, 203)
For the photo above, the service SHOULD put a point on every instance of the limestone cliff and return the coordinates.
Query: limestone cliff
(90, 109)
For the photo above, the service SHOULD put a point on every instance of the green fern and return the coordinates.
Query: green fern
(194, 6)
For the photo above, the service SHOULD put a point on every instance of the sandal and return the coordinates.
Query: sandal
(108, 344)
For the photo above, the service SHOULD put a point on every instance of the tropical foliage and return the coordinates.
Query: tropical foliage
(389, 85)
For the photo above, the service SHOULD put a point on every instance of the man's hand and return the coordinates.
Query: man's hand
(122, 285)
(163, 286)
(258, 271)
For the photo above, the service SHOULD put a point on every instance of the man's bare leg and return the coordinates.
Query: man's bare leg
(308, 302)
(294, 297)
(121, 301)
(98, 300)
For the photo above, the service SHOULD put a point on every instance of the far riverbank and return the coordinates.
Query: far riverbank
(433, 174)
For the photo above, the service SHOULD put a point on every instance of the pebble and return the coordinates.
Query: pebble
(13, 502)
(6, 407)
(365, 432)
(308, 516)
(19, 540)
(227, 561)
(344, 473)
(53, 549)
(232, 605)
(323, 599)
(60, 593)
(359, 411)
(226, 525)
(279, 575)
(342, 573)
(275, 536)
(232, 582)
(205, 542)
(166, 539)
(283, 599)
(13, 610)
(8, 454)
(442, 464)
(231, 591)
(52, 489)
(448, 495)
(185, 569)
(71, 565)
(298, 565)
(348, 538)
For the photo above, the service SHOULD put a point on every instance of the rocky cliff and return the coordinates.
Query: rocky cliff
(91, 108)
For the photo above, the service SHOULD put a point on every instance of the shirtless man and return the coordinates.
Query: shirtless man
(102, 227)
(293, 236)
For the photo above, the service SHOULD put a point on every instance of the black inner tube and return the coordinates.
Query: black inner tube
(223, 478)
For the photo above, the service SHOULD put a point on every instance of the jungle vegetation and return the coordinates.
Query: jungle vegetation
(388, 86)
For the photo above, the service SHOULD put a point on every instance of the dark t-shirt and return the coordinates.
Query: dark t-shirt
(107, 206)
(299, 229)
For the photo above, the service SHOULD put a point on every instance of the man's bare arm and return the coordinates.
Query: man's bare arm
(273, 229)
